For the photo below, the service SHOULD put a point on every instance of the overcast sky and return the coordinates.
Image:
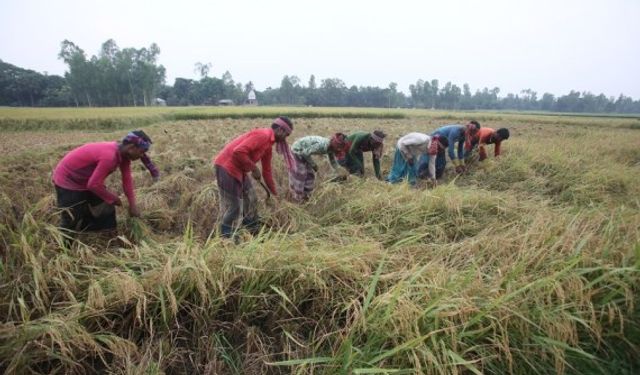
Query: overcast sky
(546, 45)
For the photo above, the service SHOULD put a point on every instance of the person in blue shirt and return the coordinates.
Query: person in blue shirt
(455, 134)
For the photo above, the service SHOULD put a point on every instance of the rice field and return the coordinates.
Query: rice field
(529, 266)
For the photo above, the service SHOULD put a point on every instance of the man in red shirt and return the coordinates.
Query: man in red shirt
(239, 158)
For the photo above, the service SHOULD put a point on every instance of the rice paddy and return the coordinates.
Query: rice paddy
(528, 266)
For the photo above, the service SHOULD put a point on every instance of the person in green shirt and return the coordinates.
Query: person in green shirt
(302, 177)
(359, 143)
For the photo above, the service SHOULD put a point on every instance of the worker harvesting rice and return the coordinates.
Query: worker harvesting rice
(79, 180)
(238, 159)
(360, 142)
(410, 148)
(302, 177)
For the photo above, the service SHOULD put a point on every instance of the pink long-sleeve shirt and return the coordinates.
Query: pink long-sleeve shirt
(86, 168)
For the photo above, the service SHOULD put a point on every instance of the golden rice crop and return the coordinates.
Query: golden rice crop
(530, 265)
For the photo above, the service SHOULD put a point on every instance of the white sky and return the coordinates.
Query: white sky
(546, 45)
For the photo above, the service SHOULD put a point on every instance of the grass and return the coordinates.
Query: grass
(529, 266)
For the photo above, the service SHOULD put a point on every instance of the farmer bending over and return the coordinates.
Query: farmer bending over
(302, 177)
(412, 147)
(462, 135)
(359, 143)
(79, 182)
(487, 136)
(238, 158)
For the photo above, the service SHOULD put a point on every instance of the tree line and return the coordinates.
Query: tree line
(115, 77)
(133, 77)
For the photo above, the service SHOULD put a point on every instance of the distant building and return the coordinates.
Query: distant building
(159, 102)
(225, 102)
(251, 98)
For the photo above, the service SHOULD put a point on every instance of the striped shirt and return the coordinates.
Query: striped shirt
(314, 145)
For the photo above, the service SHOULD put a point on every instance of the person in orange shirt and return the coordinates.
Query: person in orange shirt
(487, 136)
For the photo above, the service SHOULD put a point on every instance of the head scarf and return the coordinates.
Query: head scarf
(378, 138)
(339, 144)
(282, 147)
(470, 132)
(137, 140)
(435, 145)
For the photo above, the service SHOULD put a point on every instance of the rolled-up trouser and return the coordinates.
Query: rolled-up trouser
(82, 210)
(238, 200)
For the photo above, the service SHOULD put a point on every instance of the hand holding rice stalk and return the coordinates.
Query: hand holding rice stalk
(340, 175)
(255, 173)
(269, 201)
(137, 229)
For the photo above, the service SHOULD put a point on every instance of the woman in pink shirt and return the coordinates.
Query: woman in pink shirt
(87, 205)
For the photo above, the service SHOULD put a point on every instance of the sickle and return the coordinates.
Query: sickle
(265, 189)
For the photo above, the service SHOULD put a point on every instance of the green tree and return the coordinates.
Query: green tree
(416, 92)
(393, 95)
(114, 77)
(333, 92)
(433, 92)
(79, 74)
(202, 69)
(547, 103)
(466, 102)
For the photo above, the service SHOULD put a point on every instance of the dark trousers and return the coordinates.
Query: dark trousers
(423, 166)
(237, 200)
(350, 162)
(84, 211)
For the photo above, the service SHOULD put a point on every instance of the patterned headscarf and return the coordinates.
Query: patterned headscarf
(339, 145)
(470, 132)
(282, 147)
(137, 140)
(378, 136)
(435, 145)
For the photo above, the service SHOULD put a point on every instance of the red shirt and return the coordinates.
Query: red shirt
(240, 156)
(484, 137)
(86, 168)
